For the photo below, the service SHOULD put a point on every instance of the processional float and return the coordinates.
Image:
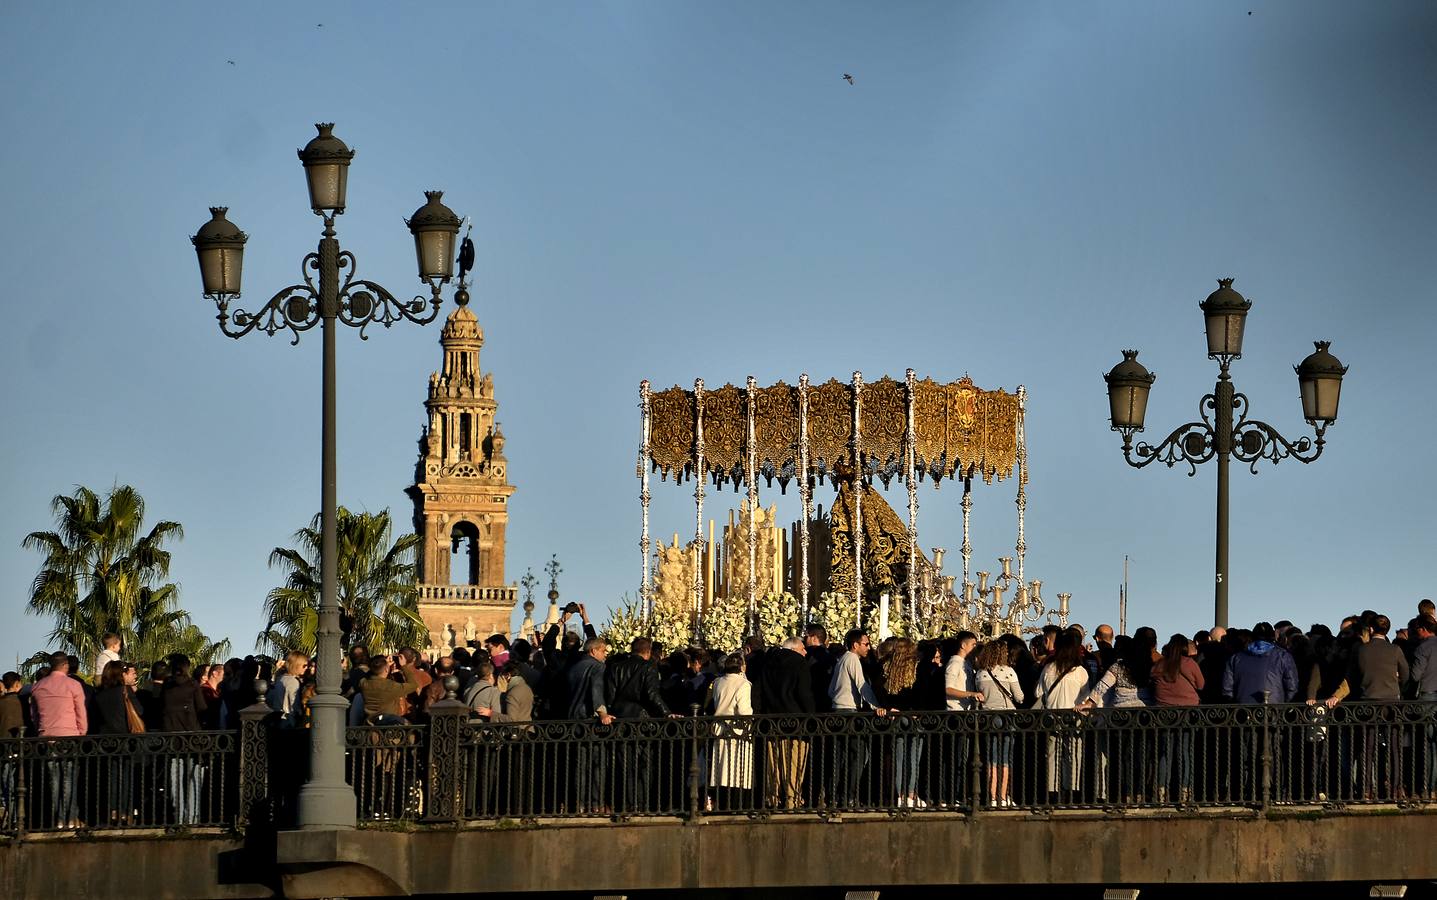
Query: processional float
(849, 434)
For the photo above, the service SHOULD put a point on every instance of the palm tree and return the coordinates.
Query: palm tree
(103, 573)
(378, 599)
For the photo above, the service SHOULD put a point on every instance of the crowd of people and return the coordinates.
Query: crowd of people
(569, 675)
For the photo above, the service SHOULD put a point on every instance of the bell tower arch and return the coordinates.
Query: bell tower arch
(461, 495)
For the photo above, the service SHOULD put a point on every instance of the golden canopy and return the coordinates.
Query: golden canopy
(959, 430)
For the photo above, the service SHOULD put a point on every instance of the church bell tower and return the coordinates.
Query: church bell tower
(461, 496)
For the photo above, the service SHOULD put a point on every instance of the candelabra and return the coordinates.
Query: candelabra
(984, 602)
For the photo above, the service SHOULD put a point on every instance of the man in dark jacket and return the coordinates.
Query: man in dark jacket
(585, 683)
(1378, 671)
(820, 666)
(785, 688)
(1262, 673)
(631, 687)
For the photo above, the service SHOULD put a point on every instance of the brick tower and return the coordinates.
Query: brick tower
(461, 496)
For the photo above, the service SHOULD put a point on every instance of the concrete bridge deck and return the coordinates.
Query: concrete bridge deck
(735, 856)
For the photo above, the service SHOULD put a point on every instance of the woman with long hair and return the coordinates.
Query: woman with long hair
(181, 703)
(116, 711)
(1126, 683)
(1001, 691)
(1177, 681)
(900, 692)
(1061, 683)
(283, 695)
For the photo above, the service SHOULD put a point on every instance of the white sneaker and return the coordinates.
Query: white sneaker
(917, 803)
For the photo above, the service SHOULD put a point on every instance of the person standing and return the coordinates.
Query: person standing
(283, 696)
(116, 711)
(57, 704)
(1177, 681)
(182, 703)
(1061, 682)
(631, 691)
(731, 766)
(585, 682)
(850, 692)
(900, 692)
(109, 652)
(998, 682)
(1378, 673)
(785, 689)
(12, 725)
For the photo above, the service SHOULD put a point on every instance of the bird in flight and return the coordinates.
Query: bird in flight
(848, 78)
(230, 61)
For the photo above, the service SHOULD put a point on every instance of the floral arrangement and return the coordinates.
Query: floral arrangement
(726, 623)
(778, 618)
(832, 611)
(672, 629)
(626, 622)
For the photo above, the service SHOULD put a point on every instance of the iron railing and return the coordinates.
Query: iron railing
(1181, 760)
(1174, 758)
(130, 781)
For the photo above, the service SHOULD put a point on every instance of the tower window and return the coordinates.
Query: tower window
(464, 554)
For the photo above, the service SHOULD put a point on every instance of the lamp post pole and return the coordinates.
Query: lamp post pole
(1224, 430)
(326, 801)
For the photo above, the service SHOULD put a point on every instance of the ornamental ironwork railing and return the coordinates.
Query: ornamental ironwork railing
(1179, 759)
(167, 780)
(1174, 760)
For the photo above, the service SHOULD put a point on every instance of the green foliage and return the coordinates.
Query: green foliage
(103, 573)
(377, 594)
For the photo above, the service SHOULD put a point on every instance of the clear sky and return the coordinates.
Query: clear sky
(672, 190)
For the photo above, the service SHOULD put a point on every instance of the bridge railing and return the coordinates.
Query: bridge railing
(130, 781)
(1181, 759)
(453, 770)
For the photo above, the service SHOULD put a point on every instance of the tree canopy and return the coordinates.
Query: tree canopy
(103, 573)
(376, 587)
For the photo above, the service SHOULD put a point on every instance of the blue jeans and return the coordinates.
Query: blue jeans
(1178, 742)
(186, 779)
(907, 753)
(63, 803)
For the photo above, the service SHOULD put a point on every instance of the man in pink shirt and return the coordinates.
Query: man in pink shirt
(58, 704)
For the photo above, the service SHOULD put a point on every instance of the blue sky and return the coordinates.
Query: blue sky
(672, 190)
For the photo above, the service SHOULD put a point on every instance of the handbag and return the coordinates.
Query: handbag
(132, 718)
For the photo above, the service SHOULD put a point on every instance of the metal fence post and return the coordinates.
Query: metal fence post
(22, 788)
(254, 801)
(975, 765)
(1265, 736)
(695, 808)
(446, 771)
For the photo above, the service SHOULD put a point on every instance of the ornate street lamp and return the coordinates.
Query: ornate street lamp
(1217, 434)
(326, 801)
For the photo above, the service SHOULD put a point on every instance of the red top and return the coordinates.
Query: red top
(58, 702)
(1181, 691)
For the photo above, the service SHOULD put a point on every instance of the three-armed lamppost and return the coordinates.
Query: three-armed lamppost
(1319, 376)
(326, 801)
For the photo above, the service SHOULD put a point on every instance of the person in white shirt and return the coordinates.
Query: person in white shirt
(110, 652)
(998, 684)
(1062, 682)
(958, 675)
(850, 691)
